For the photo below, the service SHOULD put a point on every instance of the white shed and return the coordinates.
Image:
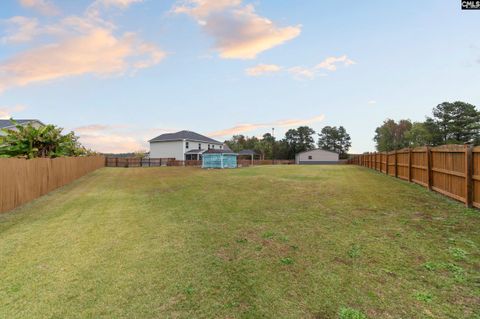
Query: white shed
(316, 156)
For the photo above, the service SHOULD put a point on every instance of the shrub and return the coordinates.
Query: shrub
(45, 141)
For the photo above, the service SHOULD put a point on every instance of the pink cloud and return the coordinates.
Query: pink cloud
(98, 52)
(7, 112)
(43, 6)
(262, 69)
(242, 128)
(239, 32)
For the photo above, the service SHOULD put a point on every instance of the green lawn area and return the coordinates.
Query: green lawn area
(260, 242)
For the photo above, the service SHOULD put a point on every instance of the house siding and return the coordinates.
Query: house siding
(176, 149)
(317, 157)
(172, 149)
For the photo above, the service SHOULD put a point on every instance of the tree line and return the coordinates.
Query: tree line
(451, 123)
(331, 138)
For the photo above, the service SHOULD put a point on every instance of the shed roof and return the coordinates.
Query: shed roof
(197, 151)
(219, 151)
(317, 149)
(184, 135)
(247, 152)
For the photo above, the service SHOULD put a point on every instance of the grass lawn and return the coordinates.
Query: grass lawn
(261, 242)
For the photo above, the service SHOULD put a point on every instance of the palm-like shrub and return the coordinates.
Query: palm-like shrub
(45, 141)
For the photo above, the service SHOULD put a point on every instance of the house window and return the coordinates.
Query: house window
(221, 146)
(186, 144)
(213, 146)
(310, 157)
(199, 146)
(208, 146)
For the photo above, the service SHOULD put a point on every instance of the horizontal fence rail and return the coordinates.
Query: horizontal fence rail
(452, 170)
(155, 162)
(23, 180)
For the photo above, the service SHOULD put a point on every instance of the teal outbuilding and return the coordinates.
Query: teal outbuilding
(218, 158)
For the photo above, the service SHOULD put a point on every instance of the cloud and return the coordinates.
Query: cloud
(371, 102)
(98, 52)
(330, 63)
(45, 7)
(239, 32)
(301, 72)
(7, 112)
(117, 138)
(19, 29)
(109, 138)
(118, 3)
(262, 69)
(111, 143)
(94, 9)
(242, 128)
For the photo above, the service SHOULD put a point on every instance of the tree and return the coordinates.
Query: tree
(335, 139)
(391, 135)
(457, 122)
(299, 140)
(45, 141)
(265, 146)
(241, 142)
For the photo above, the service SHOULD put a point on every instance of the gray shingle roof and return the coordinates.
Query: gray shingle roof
(217, 150)
(247, 152)
(7, 123)
(187, 135)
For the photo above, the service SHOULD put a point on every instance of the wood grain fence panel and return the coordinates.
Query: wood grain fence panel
(391, 163)
(476, 176)
(449, 171)
(402, 164)
(23, 180)
(419, 166)
(383, 162)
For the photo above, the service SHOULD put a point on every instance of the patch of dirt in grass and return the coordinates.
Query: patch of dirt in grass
(257, 244)
(339, 260)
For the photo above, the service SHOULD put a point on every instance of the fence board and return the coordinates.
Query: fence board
(476, 176)
(452, 170)
(23, 180)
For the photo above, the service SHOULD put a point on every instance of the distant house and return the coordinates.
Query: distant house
(219, 158)
(316, 156)
(7, 124)
(183, 145)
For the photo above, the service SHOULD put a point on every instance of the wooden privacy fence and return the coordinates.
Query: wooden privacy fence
(452, 170)
(144, 162)
(247, 162)
(154, 162)
(23, 180)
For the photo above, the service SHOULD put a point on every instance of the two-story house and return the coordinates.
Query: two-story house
(183, 145)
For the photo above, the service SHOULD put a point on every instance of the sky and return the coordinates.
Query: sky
(120, 72)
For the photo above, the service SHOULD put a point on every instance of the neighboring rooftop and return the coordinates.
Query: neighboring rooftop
(8, 123)
(219, 151)
(247, 152)
(184, 135)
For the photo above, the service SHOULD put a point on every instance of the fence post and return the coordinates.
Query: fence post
(385, 155)
(395, 170)
(127, 162)
(116, 161)
(429, 168)
(468, 176)
(409, 164)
